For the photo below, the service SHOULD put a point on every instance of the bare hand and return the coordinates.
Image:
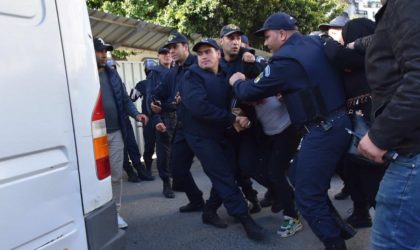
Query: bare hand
(350, 45)
(155, 108)
(370, 150)
(160, 127)
(237, 111)
(178, 98)
(243, 121)
(248, 57)
(142, 118)
(235, 77)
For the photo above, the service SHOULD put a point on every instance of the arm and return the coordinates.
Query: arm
(194, 98)
(268, 83)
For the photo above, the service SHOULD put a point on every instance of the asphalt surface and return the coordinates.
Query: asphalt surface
(155, 223)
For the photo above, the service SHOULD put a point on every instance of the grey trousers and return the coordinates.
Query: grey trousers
(116, 158)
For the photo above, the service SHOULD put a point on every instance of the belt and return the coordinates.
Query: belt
(326, 122)
(169, 114)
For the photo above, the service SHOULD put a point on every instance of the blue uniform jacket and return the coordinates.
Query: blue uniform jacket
(124, 104)
(251, 70)
(301, 72)
(168, 88)
(145, 87)
(206, 103)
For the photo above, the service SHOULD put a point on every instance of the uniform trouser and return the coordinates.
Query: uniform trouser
(364, 178)
(217, 158)
(131, 149)
(397, 222)
(242, 177)
(116, 157)
(279, 150)
(312, 170)
(163, 147)
(149, 135)
(180, 165)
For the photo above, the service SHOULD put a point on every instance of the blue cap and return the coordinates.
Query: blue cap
(163, 50)
(244, 39)
(100, 44)
(176, 37)
(277, 21)
(207, 41)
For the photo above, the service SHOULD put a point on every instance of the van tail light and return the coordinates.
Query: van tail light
(100, 140)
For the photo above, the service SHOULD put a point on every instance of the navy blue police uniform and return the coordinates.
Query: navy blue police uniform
(154, 77)
(245, 142)
(206, 116)
(314, 96)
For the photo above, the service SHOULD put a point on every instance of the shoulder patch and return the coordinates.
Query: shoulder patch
(267, 71)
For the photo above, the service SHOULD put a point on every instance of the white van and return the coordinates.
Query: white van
(55, 188)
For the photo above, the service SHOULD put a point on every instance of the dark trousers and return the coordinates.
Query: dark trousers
(163, 147)
(217, 158)
(131, 149)
(279, 150)
(312, 170)
(364, 178)
(180, 165)
(149, 135)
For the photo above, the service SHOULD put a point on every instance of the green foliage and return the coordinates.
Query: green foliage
(207, 17)
(122, 54)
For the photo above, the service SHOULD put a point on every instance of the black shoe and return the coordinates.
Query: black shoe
(337, 245)
(341, 196)
(133, 178)
(252, 229)
(143, 173)
(192, 207)
(256, 207)
(167, 190)
(267, 201)
(212, 218)
(360, 219)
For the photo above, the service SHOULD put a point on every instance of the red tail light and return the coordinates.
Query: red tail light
(100, 140)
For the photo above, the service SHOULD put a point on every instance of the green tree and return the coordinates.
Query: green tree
(207, 17)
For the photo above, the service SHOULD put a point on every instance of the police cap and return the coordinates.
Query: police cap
(277, 21)
(206, 41)
(100, 45)
(175, 37)
(230, 29)
(163, 50)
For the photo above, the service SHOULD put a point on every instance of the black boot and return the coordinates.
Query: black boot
(346, 230)
(267, 200)
(336, 245)
(256, 207)
(192, 207)
(252, 229)
(211, 217)
(360, 218)
(167, 190)
(132, 177)
(148, 165)
(142, 172)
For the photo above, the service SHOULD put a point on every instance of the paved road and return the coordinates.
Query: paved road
(155, 223)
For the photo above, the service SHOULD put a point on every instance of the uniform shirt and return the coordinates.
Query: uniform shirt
(206, 101)
(167, 90)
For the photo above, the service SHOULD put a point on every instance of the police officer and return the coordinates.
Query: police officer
(155, 73)
(235, 58)
(206, 100)
(314, 97)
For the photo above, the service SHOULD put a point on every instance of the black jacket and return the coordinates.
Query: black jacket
(393, 71)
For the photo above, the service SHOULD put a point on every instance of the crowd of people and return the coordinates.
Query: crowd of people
(286, 123)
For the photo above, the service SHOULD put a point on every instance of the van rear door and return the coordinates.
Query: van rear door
(41, 205)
